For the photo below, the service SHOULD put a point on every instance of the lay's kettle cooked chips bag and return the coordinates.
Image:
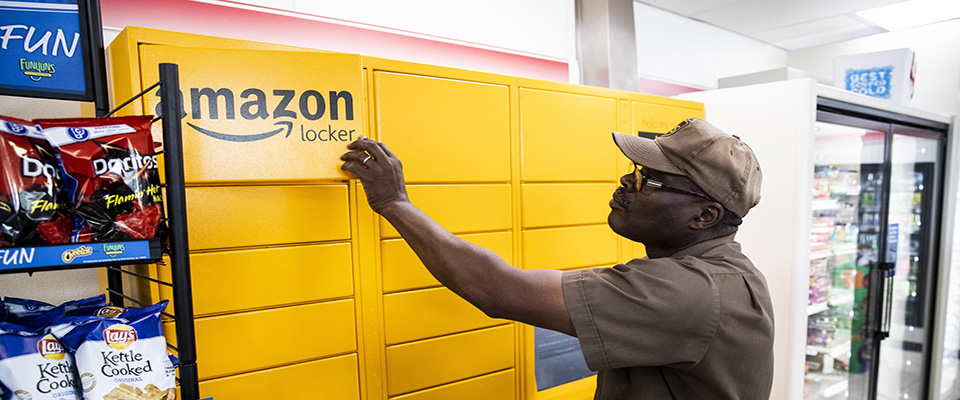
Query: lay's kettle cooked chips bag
(122, 358)
(35, 366)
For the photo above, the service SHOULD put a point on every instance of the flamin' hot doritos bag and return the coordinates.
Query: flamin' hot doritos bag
(110, 171)
(123, 358)
(34, 365)
(33, 207)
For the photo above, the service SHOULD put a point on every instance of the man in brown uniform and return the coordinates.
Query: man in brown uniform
(692, 320)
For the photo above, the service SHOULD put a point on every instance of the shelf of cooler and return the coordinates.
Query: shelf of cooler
(817, 308)
(840, 350)
(824, 204)
(845, 297)
(79, 255)
(839, 250)
(830, 384)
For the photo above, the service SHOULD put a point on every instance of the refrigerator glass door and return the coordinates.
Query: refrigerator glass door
(844, 242)
(902, 374)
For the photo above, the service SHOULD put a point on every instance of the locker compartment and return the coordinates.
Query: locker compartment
(566, 248)
(330, 379)
(660, 118)
(489, 206)
(428, 313)
(567, 137)
(432, 362)
(498, 386)
(264, 215)
(471, 120)
(238, 343)
(549, 204)
(295, 275)
(402, 270)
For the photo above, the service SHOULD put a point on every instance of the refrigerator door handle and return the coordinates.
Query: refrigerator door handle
(886, 303)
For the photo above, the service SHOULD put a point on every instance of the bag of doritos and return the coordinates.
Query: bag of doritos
(34, 209)
(110, 171)
(34, 365)
(123, 357)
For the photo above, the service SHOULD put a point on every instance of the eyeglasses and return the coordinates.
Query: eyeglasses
(643, 180)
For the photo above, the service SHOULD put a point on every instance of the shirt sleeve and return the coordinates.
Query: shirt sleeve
(661, 312)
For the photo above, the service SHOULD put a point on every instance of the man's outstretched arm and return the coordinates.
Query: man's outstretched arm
(478, 275)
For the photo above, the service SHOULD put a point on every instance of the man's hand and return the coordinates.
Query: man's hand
(379, 171)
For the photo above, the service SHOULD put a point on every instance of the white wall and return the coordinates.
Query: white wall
(679, 50)
(775, 233)
(937, 56)
(533, 27)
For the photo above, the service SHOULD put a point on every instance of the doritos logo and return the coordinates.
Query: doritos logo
(120, 336)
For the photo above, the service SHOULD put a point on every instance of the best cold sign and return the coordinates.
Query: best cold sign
(874, 82)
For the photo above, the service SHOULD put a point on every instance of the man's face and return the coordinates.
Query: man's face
(653, 216)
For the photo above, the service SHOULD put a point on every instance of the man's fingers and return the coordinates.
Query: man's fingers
(355, 156)
(386, 150)
(354, 168)
(375, 148)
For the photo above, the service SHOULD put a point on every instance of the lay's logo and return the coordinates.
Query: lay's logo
(120, 336)
(51, 348)
(110, 311)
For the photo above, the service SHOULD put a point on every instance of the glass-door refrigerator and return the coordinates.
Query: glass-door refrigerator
(875, 190)
(846, 234)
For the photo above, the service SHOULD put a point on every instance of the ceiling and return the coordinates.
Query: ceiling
(788, 24)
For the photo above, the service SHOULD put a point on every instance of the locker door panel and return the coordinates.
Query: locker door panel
(565, 248)
(550, 204)
(295, 275)
(330, 379)
(498, 386)
(264, 215)
(445, 130)
(460, 208)
(428, 313)
(402, 270)
(567, 137)
(239, 343)
(432, 362)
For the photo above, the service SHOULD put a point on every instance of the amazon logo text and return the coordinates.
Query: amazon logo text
(284, 106)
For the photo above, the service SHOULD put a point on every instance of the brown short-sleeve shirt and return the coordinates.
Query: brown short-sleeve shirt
(697, 325)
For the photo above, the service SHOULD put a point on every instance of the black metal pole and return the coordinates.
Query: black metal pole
(177, 216)
(101, 96)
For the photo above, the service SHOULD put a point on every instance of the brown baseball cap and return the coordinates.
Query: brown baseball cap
(719, 163)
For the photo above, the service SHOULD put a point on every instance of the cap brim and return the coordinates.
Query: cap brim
(645, 152)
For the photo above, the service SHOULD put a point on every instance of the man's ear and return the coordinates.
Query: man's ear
(710, 215)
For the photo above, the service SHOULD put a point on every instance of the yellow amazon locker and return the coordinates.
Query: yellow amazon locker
(520, 166)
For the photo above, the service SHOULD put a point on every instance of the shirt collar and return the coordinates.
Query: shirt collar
(700, 248)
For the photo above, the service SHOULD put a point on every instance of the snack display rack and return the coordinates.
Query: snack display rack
(112, 255)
